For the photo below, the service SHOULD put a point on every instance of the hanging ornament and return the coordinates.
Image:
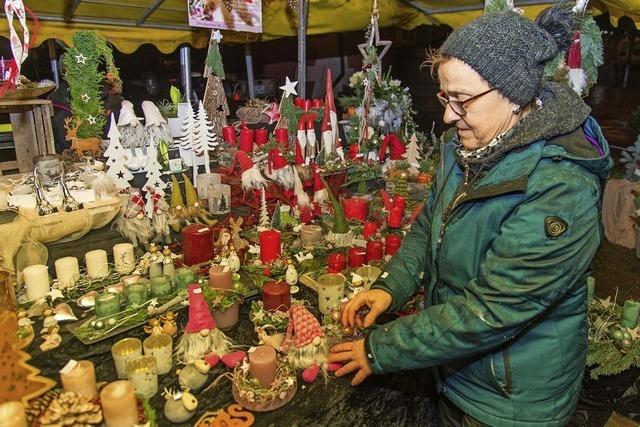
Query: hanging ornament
(373, 41)
(81, 59)
(20, 49)
(85, 97)
(91, 120)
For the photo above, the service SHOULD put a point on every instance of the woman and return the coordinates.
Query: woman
(505, 240)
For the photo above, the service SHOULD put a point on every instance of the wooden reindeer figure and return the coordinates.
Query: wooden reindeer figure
(80, 145)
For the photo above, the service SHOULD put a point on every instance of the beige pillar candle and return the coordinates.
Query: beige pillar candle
(143, 374)
(310, 234)
(330, 292)
(119, 404)
(96, 261)
(12, 414)
(161, 348)
(4, 204)
(263, 364)
(67, 271)
(123, 352)
(36, 277)
(124, 258)
(80, 377)
(220, 277)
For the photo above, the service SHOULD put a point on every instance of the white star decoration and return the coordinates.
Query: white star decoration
(55, 294)
(217, 36)
(374, 41)
(91, 120)
(289, 88)
(81, 59)
(85, 97)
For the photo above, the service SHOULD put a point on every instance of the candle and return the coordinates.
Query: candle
(161, 348)
(298, 102)
(308, 104)
(276, 296)
(184, 277)
(330, 292)
(119, 404)
(124, 258)
(269, 245)
(143, 374)
(316, 103)
(263, 364)
(155, 269)
(12, 414)
(36, 277)
(591, 288)
(356, 208)
(123, 352)
(160, 287)
(369, 229)
(127, 280)
(399, 202)
(136, 294)
(246, 140)
(310, 234)
(374, 250)
(354, 149)
(630, 313)
(96, 261)
(229, 134)
(107, 305)
(262, 136)
(67, 271)
(395, 217)
(282, 136)
(80, 377)
(336, 262)
(197, 244)
(4, 204)
(392, 244)
(357, 257)
(220, 277)
(168, 269)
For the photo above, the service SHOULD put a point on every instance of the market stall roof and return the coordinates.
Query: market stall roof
(129, 23)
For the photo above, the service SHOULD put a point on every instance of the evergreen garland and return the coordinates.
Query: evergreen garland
(590, 48)
(82, 72)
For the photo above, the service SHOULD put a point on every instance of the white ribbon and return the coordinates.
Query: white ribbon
(20, 49)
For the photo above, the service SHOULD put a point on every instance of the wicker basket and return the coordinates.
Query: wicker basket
(23, 93)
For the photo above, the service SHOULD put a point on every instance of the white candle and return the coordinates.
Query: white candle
(3, 199)
(161, 348)
(36, 278)
(96, 262)
(124, 258)
(67, 271)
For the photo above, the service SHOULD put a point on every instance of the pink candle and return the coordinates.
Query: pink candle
(246, 140)
(220, 277)
(357, 257)
(276, 296)
(80, 378)
(374, 250)
(263, 364)
(262, 136)
(282, 136)
(197, 244)
(336, 262)
(356, 208)
(229, 134)
(395, 217)
(369, 229)
(269, 245)
(392, 244)
(119, 404)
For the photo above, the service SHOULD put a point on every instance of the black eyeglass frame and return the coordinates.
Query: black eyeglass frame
(458, 106)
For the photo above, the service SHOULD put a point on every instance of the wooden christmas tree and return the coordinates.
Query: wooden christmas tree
(215, 99)
(116, 162)
(412, 155)
(205, 139)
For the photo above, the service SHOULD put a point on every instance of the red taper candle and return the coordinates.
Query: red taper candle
(246, 140)
(282, 136)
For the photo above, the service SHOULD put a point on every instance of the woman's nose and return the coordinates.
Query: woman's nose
(450, 116)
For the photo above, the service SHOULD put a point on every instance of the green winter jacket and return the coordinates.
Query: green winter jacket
(505, 322)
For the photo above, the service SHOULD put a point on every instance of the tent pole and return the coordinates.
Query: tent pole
(248, 57)
(185, 67)
(302, 48)
(51, 44)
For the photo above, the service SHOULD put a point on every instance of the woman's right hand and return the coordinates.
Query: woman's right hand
(376, 300)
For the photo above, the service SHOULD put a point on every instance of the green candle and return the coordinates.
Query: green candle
(136, 293)
(591, 288)
(107, 305)
(169, 270)
(630, 313)
(160, 286)
(184, 276)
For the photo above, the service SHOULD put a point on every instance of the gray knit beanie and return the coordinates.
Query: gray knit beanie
(510, 51)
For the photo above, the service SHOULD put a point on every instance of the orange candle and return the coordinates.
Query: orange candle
(263, 364)
(119, 405)
(220, 277)
(80, 378)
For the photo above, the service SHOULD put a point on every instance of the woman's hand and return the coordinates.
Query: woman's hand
(353, 355)
(376, 300)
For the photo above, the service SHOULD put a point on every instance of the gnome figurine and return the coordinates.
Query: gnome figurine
(305, 342)
(134, 224)
(279, 170)
(251, 176)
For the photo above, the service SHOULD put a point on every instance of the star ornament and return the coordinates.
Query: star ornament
(81, 59)
(374, 41)
(289, 88)
(85, 97)
(91, 120)
(217, 36)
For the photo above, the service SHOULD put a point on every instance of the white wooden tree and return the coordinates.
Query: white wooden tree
(116, 162)
(412, 154)
(205, 138)
(264, 213)
(154, 171)
(115, 149)
(189, 135)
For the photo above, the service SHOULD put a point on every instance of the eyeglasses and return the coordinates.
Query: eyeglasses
(458, 106)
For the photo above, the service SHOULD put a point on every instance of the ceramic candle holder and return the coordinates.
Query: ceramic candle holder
(80, 377)
(161, 348)
(119, 404)
(12, 414)
(310, 234)
(125, 351)
(330, 292)
(369, 274)
(143, 374)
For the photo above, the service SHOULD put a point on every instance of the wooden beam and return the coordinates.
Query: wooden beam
(73, 5)
(147, 13)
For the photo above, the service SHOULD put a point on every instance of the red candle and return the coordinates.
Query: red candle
(246, 140)
(229, 134)
(353, 151)
(316, 103)
(307, 104)
(374, 250)
(357, 257)
(356, 208)
(395, 217)
(262, 136)
(282, 136)
(299, 102)
(269, 245)
(197, 244)
(276, 296)
(369, 229)
(399, 202)
(392, 244)
(336, 262)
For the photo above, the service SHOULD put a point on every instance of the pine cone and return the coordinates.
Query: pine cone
(70, 409)
(40, 404)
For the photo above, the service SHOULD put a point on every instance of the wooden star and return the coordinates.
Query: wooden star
(635, 332)
(81, 59)
(374, 41)
(289, 88)
(605, 302)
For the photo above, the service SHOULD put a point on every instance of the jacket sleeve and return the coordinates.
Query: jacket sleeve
(523, 273)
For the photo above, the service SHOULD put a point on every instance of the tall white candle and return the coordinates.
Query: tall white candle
(124, 258)
(97, 265)
(3, 199)
(36, 277)
(67, 271)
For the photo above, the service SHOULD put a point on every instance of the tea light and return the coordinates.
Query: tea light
(160, 287)
(395, 217)
(263, 364)
(269, 245)
(136, 293)
(107, 305)
(392, 244)
(125, 351)
(369, 229)
(330, 292)
(310, 234)
(161, 348)
(124, 258)
(261, 136)
(276, 296)
(220, 277)
(80, 377)
(197, 244)
(282, 135)
(246, 140)
(96, 261)
(12, 414)
(374, 250)
(356, 208)
(336, 262)
(357, 257)
(143, 374)
(119, 404)
(229, 134)
(36, 277)
(67, 271)
(184, 277)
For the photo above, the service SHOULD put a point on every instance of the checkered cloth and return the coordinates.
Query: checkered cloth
(303, 327)
(135, 205)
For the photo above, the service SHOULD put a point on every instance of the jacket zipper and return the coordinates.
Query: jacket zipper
(454, 205)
